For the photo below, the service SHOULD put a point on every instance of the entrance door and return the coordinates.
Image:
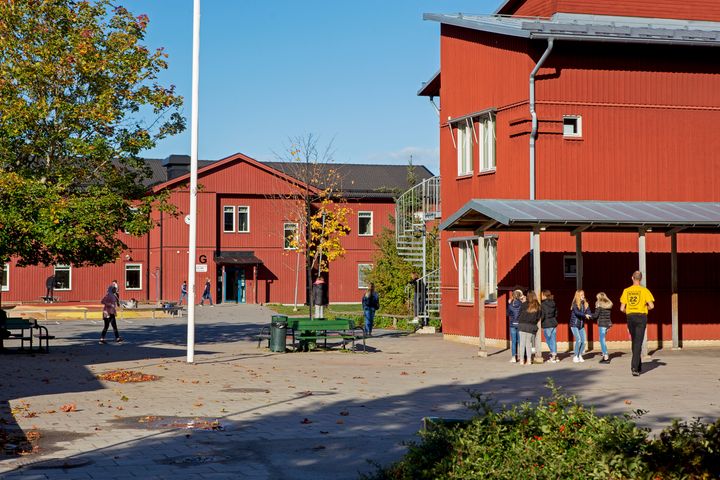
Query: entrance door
(235, 284)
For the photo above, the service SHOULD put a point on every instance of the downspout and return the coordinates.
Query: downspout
(533, 114)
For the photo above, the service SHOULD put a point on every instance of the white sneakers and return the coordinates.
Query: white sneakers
(578, 359)
(575, 360)
(513, 360)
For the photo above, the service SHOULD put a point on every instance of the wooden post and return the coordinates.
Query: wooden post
(482, 294)
(674, 292)
(255, 282)
(642, 267)
(538, 290)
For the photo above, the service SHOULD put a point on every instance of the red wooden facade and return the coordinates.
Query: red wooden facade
(649, 132)
(162, 256)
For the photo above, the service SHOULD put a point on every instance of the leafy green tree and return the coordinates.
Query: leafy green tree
(391, 274)
(79, 100)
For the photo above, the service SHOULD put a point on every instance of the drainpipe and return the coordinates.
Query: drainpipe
(533, 114)
(535, 235)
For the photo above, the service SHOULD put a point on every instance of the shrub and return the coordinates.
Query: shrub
(557, 438)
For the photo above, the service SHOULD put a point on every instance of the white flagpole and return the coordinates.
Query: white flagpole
(193, 183)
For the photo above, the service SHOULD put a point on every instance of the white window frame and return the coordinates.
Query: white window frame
(247, 208)
(578, 133)
(361, 267)
(464, 148)
(69, 270)
(285, 236)
(486, 142)
(567, 274)
(360, 214)
(139, 269)
(466, 270)
(5, 287)
(231, 210)
(491, 287)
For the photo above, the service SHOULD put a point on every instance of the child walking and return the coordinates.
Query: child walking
(370, 303)
(603, 305)
(109, 302)
(513, 310)
(530, 315)
(579, 313)
(549, 323)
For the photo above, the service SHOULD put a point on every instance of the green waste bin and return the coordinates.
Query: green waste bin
(278, 332)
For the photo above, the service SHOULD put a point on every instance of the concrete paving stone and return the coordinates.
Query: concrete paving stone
(261, 398)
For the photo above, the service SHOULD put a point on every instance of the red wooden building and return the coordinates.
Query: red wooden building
(579, 100)
(246, 210)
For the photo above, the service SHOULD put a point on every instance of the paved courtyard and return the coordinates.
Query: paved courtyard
(319, 415)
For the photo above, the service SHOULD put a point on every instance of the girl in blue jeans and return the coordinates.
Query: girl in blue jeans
(370, 303)
(603, 305)
(549, 323)
(513, 312)
(579, 313)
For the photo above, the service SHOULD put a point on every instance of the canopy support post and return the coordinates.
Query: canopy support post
(674, 292)
(642, 267)
(538, 289)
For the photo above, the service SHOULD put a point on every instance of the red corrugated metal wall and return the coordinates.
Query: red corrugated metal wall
(686, 10)
(649, 117)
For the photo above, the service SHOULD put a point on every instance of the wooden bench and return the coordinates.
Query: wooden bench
(304, 330)
(27, 329)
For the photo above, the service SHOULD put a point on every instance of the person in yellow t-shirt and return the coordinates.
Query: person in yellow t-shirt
(636, 301)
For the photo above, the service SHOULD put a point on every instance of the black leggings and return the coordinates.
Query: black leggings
(110, 321)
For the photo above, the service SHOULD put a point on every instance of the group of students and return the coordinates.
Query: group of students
(525, 311)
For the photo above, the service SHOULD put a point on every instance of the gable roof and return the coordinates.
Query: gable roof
(361, 180)
(598, 28)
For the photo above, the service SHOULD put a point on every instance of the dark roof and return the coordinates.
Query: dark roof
(159, 172)
(571, 215)
(237, 258)
(357, 180)
(597, 28)
(431, 88)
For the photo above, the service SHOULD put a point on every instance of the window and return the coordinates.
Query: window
(133, 276)
(63, 277)
(491, 269)
(486, 145)
(465, 148)
(363, 270)
(290, 231)
(572, 126)
(5, 278)
(466, 267)
(365, 223)
(243, 219)
(228, 219)
(569, 266)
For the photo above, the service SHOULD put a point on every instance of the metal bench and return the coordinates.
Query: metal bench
(26, 330)
(306, 330)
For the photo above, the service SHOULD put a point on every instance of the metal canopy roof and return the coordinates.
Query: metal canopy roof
(237, 258)
(599, 28)
(577, 215)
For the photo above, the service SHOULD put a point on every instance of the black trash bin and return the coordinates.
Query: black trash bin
(278, 332)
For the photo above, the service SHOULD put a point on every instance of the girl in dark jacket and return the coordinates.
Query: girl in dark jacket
(370, 303)
(110, 302)
(550, 323)
(513, 310)
(530, 315)
(579, 313)
(603, 305)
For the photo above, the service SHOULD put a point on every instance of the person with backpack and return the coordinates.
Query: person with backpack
(513, 311)
(370, 303)
(602, 315)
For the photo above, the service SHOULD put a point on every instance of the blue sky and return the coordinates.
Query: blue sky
(271, 70)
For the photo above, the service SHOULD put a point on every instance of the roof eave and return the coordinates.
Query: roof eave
(475, 25)
(431, 88)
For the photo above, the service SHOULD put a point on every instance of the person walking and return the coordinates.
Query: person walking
(635, 302)
(206, 293)
(109, 303)
(319, 296)
(183, 292)
(530, 314)
(513, 311)
(549, 323)
(603, 305)
(579, 313)
(370, 303)
(49, 289)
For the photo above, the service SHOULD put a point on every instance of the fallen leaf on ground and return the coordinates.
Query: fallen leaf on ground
(306, 421)
(69, 407)
(127, 376)
(628, 402)
(404, 373)
(344, 413)
(339, 422)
